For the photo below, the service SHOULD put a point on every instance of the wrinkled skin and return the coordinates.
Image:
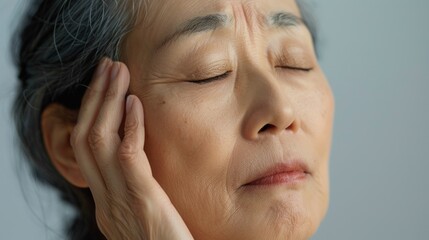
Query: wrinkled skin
(205, 141)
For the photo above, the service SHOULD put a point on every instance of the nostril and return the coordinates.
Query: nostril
(266, 127)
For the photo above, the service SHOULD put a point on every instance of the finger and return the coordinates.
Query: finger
(144, 194)
(133, 161)
(79, 139)
(104, 138)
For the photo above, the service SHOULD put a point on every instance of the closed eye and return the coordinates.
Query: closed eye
(295, 68)
(211, 79)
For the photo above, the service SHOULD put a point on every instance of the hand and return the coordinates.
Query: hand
(130, 204)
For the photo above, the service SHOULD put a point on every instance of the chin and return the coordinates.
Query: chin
(275, 219)
(293, 222)
(286, 215)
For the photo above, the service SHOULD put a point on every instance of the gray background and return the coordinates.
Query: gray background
(376, 55)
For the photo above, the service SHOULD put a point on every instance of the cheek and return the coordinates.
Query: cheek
(316, 111)
(325, 120)
(177, 141)
(187, 135)
(189, 144)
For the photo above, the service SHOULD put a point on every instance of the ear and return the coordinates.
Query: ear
(57, 124)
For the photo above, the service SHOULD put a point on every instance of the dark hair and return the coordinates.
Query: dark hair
(57, 48)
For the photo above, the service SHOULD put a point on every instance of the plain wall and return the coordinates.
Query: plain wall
(376, 55)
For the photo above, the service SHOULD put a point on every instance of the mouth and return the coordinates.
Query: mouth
(290, 174)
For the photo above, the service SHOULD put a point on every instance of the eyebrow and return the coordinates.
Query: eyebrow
(213, 21)
(284, 19)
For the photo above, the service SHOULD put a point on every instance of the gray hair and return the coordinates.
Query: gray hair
(57, 49)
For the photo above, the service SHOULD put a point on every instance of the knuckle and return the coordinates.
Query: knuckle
(111, 94)
(127, 151)
(96, 138)
(131, 125)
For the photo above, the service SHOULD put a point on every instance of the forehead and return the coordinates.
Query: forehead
(165, 16)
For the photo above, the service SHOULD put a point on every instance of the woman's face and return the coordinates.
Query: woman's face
(238, 115)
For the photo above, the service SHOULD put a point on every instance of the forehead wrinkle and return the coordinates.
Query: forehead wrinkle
(198, 24)
(252, 15)
(253, 18)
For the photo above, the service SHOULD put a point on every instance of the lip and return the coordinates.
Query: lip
(289, 173)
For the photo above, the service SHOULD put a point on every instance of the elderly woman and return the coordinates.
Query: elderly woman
(188, 119)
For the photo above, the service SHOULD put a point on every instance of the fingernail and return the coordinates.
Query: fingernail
(129, 104)
(115, 70)
(102, 66)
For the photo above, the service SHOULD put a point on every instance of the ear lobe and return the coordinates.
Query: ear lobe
(57, 123)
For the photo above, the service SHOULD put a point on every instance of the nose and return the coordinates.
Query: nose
(269, 109)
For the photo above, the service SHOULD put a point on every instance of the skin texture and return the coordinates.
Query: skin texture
(204, 142)
(213, 131)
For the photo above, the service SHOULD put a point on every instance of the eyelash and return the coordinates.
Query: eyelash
(296, 68)
(226, 74)
(212, 79)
